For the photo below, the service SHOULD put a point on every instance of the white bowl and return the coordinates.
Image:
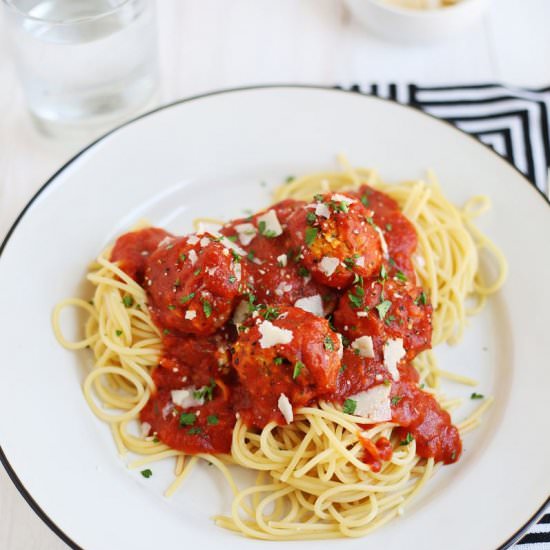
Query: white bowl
(409, 25)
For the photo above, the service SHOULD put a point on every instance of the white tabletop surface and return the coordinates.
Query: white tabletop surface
(211, 44)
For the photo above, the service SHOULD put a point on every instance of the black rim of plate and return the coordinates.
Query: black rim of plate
(4, 459)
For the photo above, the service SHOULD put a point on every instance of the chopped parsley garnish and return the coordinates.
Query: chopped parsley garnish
(401, 276)
(156, 439)
(169, 246)
(289, 179)
(206, 392)
(311, 235)
(303, 272)
(185, 299)
(146, 473)
(369, 220)
(357, 279)
(392, 262)
(389, 227)
(207, 308)
(359, 291)
(477, 396)
(349, 406)
(396, 399)
(349, 262)
(232, 238)
(166, 331)
(232, 279)
(195, 430)
(187, 419)
(270, 313)
(265, 232)
(453, 455)
(251, 299)
(328, 343)
(118, 332)
(212, 420)
(197, 271)
(383, 308)
(236, 257)
(422, 299)
(364, 200)
(383, 273)
(310, 218)
(127, 300)
(278, 360)
(318, 197)
(297, 369)
(343, 367)
(250, 255)
(171, 307)
(407, 440)
(355, 300)
(389, 319)
(183, 257)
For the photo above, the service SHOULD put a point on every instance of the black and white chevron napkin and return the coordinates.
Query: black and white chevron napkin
(512, 121)
(515, 122)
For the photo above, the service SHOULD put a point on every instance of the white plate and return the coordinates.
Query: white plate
(208, 156)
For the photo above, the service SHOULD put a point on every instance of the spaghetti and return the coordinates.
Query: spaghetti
(324, 471)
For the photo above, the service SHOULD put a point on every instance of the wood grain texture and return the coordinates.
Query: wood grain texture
(210, 44)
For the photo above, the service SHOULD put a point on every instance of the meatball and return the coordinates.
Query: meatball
(336, 238)
(275, 276)
(386, 309)
(192, 284)
(132, 249)
(285, 353)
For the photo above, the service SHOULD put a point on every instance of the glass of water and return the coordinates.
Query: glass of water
(84, 64)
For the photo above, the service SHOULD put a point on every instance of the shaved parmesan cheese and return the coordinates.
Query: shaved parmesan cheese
(282, 260)
(286, 408)
(237, 269)
(190, 314)
(313, 304)
(362, 313)
(341, 348)
(360, 261)
(364, 346)
(145, 429)
(374, 404)
(211, 270)
(241, 313)
(383, 243)
(393, 353)
(342, 198)
(321, 209)
(272, 225)
(328, 265)
(166, 240)
(205, 241)
(167, 409)
(192, 239)
(273, 335)
(282, 288)
(193, 257)
(186, 398)
(246, 232)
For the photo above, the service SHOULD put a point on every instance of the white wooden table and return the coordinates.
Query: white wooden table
(212, 44)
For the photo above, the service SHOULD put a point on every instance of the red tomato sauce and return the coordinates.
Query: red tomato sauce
(262, 319)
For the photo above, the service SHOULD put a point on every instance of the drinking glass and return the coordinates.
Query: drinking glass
(84, 63)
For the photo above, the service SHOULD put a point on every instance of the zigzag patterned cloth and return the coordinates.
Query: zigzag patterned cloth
(512, 121)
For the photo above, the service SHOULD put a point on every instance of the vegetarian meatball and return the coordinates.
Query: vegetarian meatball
(192, 284)
(386, 309)
(285, 357)
(336, 238)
